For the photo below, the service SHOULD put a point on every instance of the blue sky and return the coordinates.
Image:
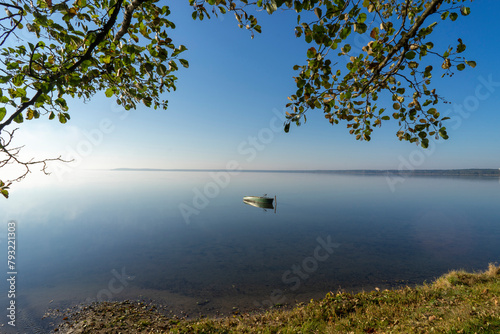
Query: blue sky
(228, 104)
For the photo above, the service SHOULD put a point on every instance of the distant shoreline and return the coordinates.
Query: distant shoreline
(416, 172)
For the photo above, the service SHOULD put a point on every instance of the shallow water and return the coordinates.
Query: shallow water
(187, 240)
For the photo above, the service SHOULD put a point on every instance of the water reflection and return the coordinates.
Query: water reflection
(74, 240)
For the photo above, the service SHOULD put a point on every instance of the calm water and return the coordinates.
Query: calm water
(186, 239)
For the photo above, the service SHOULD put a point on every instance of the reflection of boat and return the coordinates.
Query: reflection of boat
(259, 204)
(259, 199)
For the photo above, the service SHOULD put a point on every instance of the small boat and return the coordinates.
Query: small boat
(260, 204)
(259, 199)
(263, 202)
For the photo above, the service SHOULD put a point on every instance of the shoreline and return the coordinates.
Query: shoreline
(190, 309)
(479, 172)
(457, 290)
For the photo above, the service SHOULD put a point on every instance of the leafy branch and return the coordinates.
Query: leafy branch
(83, 48)
(387, 67)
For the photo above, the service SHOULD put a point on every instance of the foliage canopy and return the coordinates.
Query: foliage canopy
(124, 48)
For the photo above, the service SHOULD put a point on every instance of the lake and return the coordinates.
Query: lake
(187, 241)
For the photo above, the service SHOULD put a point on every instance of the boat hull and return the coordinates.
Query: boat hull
(258, 199)
(259, 205)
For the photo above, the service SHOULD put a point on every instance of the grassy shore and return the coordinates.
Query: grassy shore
(458, 302)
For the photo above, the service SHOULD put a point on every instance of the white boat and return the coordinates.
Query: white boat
(259, 199)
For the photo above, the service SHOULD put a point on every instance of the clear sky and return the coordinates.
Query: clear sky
(228, 104)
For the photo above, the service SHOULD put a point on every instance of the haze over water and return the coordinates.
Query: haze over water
(127, 235)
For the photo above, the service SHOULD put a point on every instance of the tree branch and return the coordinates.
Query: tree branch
(7, 32)
(403, 42)
(21, 108)
(127, 18)
(99, 37)
(86, 56)
(12, 156)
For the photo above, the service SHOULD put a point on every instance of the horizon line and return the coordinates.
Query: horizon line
(304, 170)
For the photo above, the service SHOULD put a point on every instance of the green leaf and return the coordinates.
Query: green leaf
(460, 67)
(173, 66)
(85, 65)
(3, 111)
(287, 127)
(62, 118)
(271, 7)
(460, 47)
(109, 92)
(62, 103)
(311, 53)
(410, 55)
(424, 143)
(12, 65)
(5, 79)
(19, 119)
(184, 63)
(442, 133)
(345, 32)
(106, 59)
(361, 18)
(18, 80)
(5, 193)
(471, 63)
(20, 92)
(465, 11)
(360, 28)
(318, 13)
